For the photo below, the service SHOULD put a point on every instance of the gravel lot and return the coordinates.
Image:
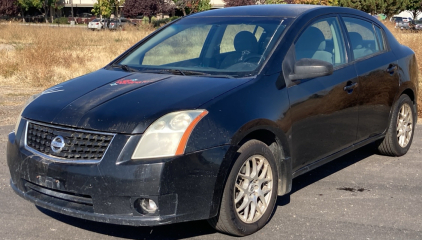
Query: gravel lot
(358, 196)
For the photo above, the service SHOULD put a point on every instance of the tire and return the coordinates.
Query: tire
(229, 220)
(393, 144)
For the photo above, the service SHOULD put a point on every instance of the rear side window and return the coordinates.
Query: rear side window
(323, 41)
(362, 37)
(380, 37)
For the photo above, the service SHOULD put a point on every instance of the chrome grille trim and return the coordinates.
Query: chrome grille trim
(64, 160)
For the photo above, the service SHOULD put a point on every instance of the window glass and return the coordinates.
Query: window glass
(193, 44)
(323, 41)
(227, 43)
(362, 37)
(380, 38)
(179, 47)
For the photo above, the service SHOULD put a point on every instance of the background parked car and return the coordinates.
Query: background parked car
(403, 22)
(417, 25)
(97, 24)
(120, 23)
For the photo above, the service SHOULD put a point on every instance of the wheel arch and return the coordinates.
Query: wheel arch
(279, 147)
(413, 97)
(268, 132)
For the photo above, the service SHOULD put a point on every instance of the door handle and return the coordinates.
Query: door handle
(350, 86)
(391, 68)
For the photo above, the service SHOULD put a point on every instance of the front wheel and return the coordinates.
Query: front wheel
(399, 135)
(250, 192)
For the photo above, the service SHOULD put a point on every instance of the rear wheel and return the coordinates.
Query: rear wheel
(399, 136)
(250, 192)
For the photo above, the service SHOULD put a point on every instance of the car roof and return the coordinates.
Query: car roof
(267, 10)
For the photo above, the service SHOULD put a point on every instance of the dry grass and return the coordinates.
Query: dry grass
(45, 56)
(412, 40)
(34, 58)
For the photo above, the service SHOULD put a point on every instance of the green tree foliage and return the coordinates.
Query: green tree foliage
(107, 7)
(42, 5)
(203, 5)
(387, 7)
(24, 4)
(274, 2)
(393, 7)
(192, 6)
(414, 6)
(232, 3)
(317, 2)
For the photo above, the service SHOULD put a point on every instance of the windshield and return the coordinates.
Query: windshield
(233, 46)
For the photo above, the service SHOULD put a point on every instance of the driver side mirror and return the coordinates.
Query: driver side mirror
(311, 68)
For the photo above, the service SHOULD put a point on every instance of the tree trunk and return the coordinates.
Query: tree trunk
(149, 19)
(184, 11)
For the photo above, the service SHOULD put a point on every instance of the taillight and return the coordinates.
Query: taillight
(96, 24)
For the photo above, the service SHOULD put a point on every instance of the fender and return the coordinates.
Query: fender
(280, 149)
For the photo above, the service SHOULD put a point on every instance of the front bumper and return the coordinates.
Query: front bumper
(185, 188)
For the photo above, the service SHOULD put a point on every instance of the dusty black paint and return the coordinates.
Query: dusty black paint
(189, 187)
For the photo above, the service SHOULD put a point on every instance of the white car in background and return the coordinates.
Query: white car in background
(97, 24)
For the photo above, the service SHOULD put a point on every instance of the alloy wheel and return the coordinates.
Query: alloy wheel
(404, 125)
(253, 189)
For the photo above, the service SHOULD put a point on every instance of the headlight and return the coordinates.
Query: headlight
(168, 135)
(31, 98)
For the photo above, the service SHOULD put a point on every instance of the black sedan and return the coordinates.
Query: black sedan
(213, 115)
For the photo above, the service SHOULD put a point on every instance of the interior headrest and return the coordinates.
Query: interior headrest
(245, 41)
(356, 40)
(311, 40)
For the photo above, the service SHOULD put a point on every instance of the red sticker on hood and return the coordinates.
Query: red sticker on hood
(129, 81)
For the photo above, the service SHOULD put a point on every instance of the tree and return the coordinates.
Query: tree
(233, 3)
(181, 4)
(192, 5)
(388, 7)
(199, 5)
(8, 7)
(394, 7)
(274, 2)
(148, 8)
(44, 5)
(414, 7)
(107, 7)
(317, 2)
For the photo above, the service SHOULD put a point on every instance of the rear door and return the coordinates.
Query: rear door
(324, 110)
(376, 66)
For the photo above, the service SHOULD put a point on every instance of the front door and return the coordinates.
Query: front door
(324, 110)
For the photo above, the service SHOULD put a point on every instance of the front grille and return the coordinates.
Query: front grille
(78, 145)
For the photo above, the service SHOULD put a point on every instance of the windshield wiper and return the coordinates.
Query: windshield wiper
(185, 73)
(125, 68)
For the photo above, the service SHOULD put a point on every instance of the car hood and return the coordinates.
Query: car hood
(122, 102)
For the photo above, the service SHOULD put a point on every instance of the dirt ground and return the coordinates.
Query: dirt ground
(12, 100)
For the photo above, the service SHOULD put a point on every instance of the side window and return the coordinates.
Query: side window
(227, 43)
(362, 37)
(380, 38)
(323, 41)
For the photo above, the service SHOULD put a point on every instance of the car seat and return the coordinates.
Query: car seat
(245, 45)
(311, 44)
